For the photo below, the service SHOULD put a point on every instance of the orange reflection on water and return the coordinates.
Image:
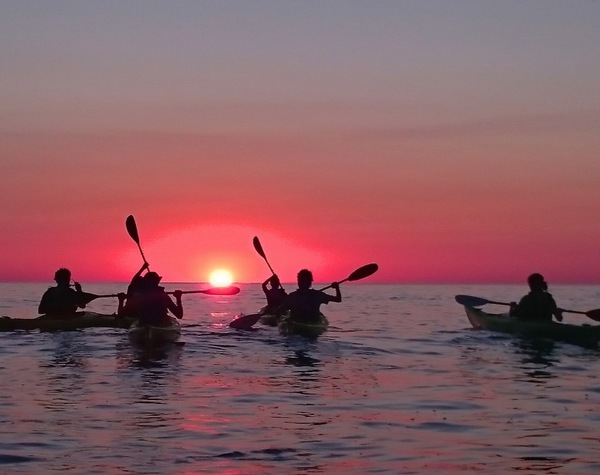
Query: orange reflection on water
(204, 423)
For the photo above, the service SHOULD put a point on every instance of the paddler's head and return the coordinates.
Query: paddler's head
(275, 282)
(536, 282)
(305, 279)
(62, 276)
(152, 279)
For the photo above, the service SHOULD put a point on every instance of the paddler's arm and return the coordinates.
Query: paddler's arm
(145, 266)
(557, 312)
(264, 285)
(81, 300)
(43, 307)
(121, 307)
(177, 307)
(338, 295)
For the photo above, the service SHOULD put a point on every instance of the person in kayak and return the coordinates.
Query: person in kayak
(137, 281)
(150, 304)
(304, 304)
(62, 301)
(538, 304)
(274, 293)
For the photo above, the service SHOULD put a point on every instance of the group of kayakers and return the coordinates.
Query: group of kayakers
(147, 301)
(303, 304)
(145, 298)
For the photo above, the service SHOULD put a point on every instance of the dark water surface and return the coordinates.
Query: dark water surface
(398, 385)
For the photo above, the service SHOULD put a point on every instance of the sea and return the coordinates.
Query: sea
(399, 384)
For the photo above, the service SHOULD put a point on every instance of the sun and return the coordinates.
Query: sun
(220, 278)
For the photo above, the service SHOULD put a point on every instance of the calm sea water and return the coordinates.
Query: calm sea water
(399, 385)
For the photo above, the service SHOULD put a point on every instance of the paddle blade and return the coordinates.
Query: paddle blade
(470, 301)
(245, 322)
(362, 272)
(132, 228)
(231, 290)
(594, 314)
(258, 247)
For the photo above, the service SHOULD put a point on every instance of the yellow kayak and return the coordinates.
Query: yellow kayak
(307, 329)
(155, 334)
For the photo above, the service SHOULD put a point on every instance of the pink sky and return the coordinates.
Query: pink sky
(448, 142)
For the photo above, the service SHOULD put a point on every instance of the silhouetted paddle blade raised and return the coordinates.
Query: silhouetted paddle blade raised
(362, 272)
(261, 252)
(258, 247)
(471, 301)
(133, 233)
(358, 274)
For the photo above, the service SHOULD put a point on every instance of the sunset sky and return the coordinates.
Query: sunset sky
(447, 141)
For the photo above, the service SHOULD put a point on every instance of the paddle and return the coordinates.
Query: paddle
(360, 273)
(133, 232)
(258, 247)
(471, 301)
(245, 322)
(231, 290)
(87, 297)
(261, 252)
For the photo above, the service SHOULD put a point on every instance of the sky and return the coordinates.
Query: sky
(446, 141)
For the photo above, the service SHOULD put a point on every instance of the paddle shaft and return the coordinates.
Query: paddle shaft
(331, 285)
(213, 291)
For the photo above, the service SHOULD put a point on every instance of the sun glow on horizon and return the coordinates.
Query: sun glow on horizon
(220, 278)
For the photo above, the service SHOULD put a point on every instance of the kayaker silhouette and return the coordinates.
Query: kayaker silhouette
(274, 293)
(62, 301)
(150, 303)
(538, 304)
(304, 304)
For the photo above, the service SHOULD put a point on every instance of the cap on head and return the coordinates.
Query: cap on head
(152, 277)
(536, 281)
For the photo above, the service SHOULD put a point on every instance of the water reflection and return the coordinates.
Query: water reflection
(301, 358)
(537, 359)
(70, 350)
(148, 357)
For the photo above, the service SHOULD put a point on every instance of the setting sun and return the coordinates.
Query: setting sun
(220, 278)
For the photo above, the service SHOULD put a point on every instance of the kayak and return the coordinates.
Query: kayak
(582, 335)
(154, 334)
(269, 319)
(79, 321)
(309, 330)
